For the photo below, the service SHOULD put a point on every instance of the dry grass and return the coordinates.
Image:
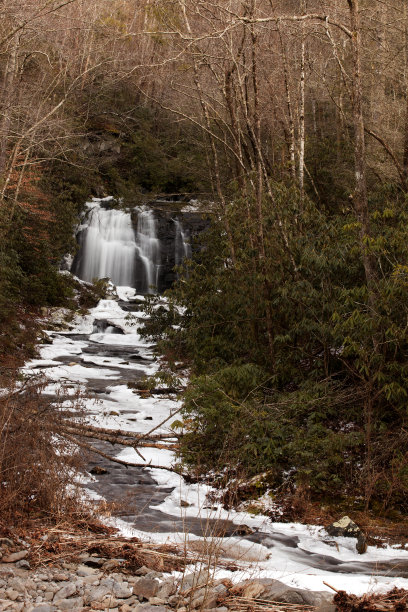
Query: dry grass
(37, 465)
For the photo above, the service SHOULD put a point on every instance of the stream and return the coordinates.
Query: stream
(102, 354)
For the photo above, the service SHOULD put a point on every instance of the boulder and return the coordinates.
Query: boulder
(344, 527)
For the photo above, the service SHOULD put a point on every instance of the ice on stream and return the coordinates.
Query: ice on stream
(282, 556)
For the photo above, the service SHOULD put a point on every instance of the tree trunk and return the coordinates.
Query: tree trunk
(405, 152)
(7, 95)
(302, 119)
(360, 198)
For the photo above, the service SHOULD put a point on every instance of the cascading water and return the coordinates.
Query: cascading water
(148, 250)
(182, 244)
(110, 248)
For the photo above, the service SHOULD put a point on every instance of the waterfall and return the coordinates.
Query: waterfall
(182, 244)
(110, 248)
(107, 247)
(148, 250)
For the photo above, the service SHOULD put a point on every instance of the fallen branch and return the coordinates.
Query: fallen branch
(113, 439)
(146, 435)
(121, 432)
(92, 449)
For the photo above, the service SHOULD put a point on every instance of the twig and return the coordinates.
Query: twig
(330, 586)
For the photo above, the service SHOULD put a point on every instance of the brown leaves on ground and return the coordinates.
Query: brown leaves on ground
(52, 544)
(393, 601)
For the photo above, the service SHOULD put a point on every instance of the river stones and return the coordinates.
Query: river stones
(145, 588)
(17, 556)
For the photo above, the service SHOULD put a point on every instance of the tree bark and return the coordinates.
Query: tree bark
(360, 198)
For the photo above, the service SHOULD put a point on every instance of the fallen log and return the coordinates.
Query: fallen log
(92, 449)
(113, 439)
(121, 432)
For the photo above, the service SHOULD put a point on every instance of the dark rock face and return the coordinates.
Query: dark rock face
(192, 224)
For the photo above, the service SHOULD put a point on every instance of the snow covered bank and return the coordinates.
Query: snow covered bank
(298, 555)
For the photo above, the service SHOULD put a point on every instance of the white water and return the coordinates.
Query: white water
(182, 244)
(110, 248)
(148, 249)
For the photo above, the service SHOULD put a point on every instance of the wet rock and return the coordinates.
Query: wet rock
(344, 527)
(98, 470)
(243, 530)
(361, 545)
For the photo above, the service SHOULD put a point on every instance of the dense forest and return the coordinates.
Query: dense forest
(288, 121)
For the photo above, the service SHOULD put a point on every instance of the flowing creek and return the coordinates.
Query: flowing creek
(102, 353)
